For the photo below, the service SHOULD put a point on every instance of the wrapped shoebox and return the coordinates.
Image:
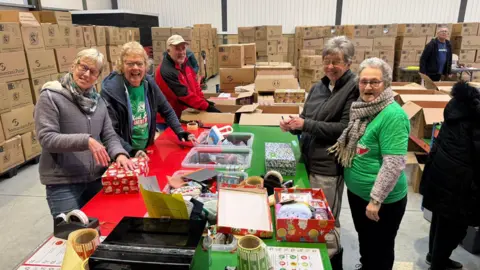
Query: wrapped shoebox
(303, 230)
(280, 157)
(117, 180)
(289, 96)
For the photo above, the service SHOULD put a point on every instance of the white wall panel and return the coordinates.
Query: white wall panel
(472, 14)
(400, 11)
(175, 14)
(70, 4)
(288, 13)
(99, 4)
(18, 2)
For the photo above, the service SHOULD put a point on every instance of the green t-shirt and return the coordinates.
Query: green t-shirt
(387, 134)
(139, 116)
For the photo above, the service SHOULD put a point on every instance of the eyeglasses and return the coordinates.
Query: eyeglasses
(373, 83)
(82, 68)
(443, 31)
(327, 62)
(132, 64)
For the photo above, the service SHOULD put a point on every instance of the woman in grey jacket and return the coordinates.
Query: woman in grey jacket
(76, 135)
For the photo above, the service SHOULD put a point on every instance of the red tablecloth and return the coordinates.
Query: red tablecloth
(166, 156)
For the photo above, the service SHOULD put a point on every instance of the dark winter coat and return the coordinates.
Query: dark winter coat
(428, 60)
(451, 178)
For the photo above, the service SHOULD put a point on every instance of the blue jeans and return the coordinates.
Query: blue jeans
(161, 126)
(64, 198)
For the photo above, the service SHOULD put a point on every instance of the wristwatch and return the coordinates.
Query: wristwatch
(375, 202)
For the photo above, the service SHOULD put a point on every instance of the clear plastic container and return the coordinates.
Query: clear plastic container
(224, 158)
(230, 247)
(222, 178)
(236, 138)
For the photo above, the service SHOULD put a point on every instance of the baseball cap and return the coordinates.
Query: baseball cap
(175, 40)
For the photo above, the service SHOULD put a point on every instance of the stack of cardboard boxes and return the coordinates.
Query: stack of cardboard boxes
(205, 40)
(160, 36)
(236, 62)
(466, 44)
(270, 43)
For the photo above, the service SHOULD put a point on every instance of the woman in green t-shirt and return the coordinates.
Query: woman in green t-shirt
(372, 150)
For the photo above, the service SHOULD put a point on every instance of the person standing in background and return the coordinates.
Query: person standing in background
(436, 59)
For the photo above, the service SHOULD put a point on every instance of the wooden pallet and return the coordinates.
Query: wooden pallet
(13, 171)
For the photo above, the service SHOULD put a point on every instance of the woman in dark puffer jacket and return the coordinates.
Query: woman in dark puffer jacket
(451, 179)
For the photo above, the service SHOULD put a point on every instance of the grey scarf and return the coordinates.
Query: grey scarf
(87, 100)
(361, 113)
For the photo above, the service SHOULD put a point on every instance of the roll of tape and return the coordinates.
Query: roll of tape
(62, 216)
(254, 181)
(252, 253)
(77, 216)
(192, 126)
(84, 242)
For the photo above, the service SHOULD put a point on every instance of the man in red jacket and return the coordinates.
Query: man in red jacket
(177, 80)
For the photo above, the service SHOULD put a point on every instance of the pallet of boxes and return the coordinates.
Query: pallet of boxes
(237, 65)
(270, 44)
(465, 39)
(22, 41)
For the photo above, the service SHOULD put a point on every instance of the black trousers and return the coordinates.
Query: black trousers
(377, 239)
(445, 235)
(435, 77)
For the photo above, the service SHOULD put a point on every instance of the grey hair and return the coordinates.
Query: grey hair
(91, 54)
(377, 63)
(340, 44)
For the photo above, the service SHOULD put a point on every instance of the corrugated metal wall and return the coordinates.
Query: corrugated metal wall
(75, 4)
(400, 11)
(288, 13)
(178, 13)
(472, 14)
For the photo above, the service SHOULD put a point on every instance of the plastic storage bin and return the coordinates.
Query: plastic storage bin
(226, 158)
(235, 137)
(222, 178)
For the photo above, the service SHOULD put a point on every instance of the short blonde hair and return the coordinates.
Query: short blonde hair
(131, 48)
(91, 54)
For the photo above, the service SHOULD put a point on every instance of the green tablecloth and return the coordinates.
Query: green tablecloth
(262, 135)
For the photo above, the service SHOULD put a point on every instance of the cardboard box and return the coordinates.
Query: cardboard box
(465, 56)
(313, 44)
(18, 121)
(274, 69)
(466, 43)
(231, 55)
(41, 63)
(311, 62)
(89, 36)
(122, 36)
(407, 55)
(10, 37)
(268, 32)
(36, 85)
(32, 37)
(360, 31)
(100, 35)
(387, 56)
(268, 115)
(111, 35)
(422, 119)
(64, 58)
(51, 36)
(113, 53)
(19, 93)
(465, 29)
(5, 105)
(427, 29)
(365, 44)
(57, 17)
(413, 172)
(232, 77)
(79, 40)
(161, 33)
(246, 32)
(159, 45)
(250, 53)
(186, 33)
(313, 74)
(24, 18)
(245, 98)
(277, 58)
(31, 146)
(384, 43)
(272, 47)
(312, 230)
(11, 154)
(270, 83)
(412, 43)
(409, 30)
(418, 98)
(282, 46)
(158, 58)
(289, 96)
(67, 35)
(13, 66)
(358, 57)
(371, 54)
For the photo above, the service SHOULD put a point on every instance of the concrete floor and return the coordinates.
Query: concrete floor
(25, 222)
